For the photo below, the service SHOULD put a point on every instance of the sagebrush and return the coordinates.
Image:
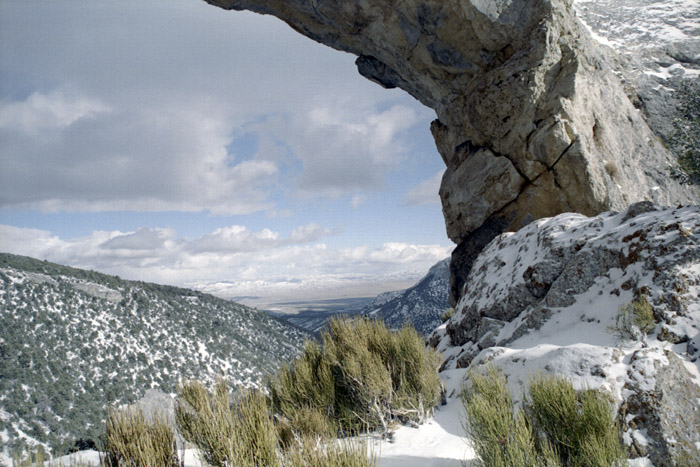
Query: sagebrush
(227, 432)
(634, 320)
(133, 440)
(559, 426)
(360, 378)
(242, 430)
(363, 376)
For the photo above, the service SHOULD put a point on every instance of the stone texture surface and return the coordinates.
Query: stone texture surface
(666, 410)
(653, 393)
(521, 278)
(655, 45)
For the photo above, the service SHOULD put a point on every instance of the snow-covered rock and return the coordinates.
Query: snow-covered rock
(546, 299)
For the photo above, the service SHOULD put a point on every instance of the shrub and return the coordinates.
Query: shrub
(320, 452)
(684, 141)
(243, 432)
(579, 425)
(634, 320)
(131, 440)
(364, 376)
(559, 426)
(305, 394)
(33, 457)
(447, 314)
(500, 436)
(240, 433)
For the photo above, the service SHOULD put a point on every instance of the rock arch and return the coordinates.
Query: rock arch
(531, 120)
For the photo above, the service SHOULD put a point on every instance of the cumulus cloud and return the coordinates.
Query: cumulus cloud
(142, 119)
(343, 147)
(45, 112)
(143, 239)
(425, 193)
(238, 239)
(133, 159)
(97, 117)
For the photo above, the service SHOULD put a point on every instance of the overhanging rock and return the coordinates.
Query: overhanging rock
(531, 121)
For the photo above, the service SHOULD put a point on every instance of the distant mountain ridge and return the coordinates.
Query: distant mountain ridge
(73, 342)
(420, 305)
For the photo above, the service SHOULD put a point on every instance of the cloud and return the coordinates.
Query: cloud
(238, 239)
(357, 201)
(234, 239)
(425, 193)
(142, 239)
(235, 258)
(343, 147)
(142, 119)
(70, 154)
(97, 117)
(46, 112)
(308, 233)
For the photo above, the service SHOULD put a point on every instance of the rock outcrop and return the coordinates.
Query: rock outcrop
(531, 120)
(556, 296)
(522, 280)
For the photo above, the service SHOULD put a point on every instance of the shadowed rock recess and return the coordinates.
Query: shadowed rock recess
(531, 120)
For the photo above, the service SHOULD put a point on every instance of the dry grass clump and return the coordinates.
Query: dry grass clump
(32, 457)
(559, 426)
(634, 320)
(242, 431)
(363, 375)
(501, 437)
(132, 440)
(447, 314)
(313, 451)
(579, 425)
(227, 432)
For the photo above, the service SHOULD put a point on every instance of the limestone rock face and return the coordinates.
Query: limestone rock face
(655, 46)
(521, 280)
(661, 404)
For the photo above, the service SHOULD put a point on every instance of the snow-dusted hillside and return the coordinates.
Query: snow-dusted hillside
(657, 45)
(73, 342)
(420, 305)
(546, 299)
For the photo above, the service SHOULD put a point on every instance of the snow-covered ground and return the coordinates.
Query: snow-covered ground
(440, 442)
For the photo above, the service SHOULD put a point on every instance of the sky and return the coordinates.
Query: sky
(174, 142)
